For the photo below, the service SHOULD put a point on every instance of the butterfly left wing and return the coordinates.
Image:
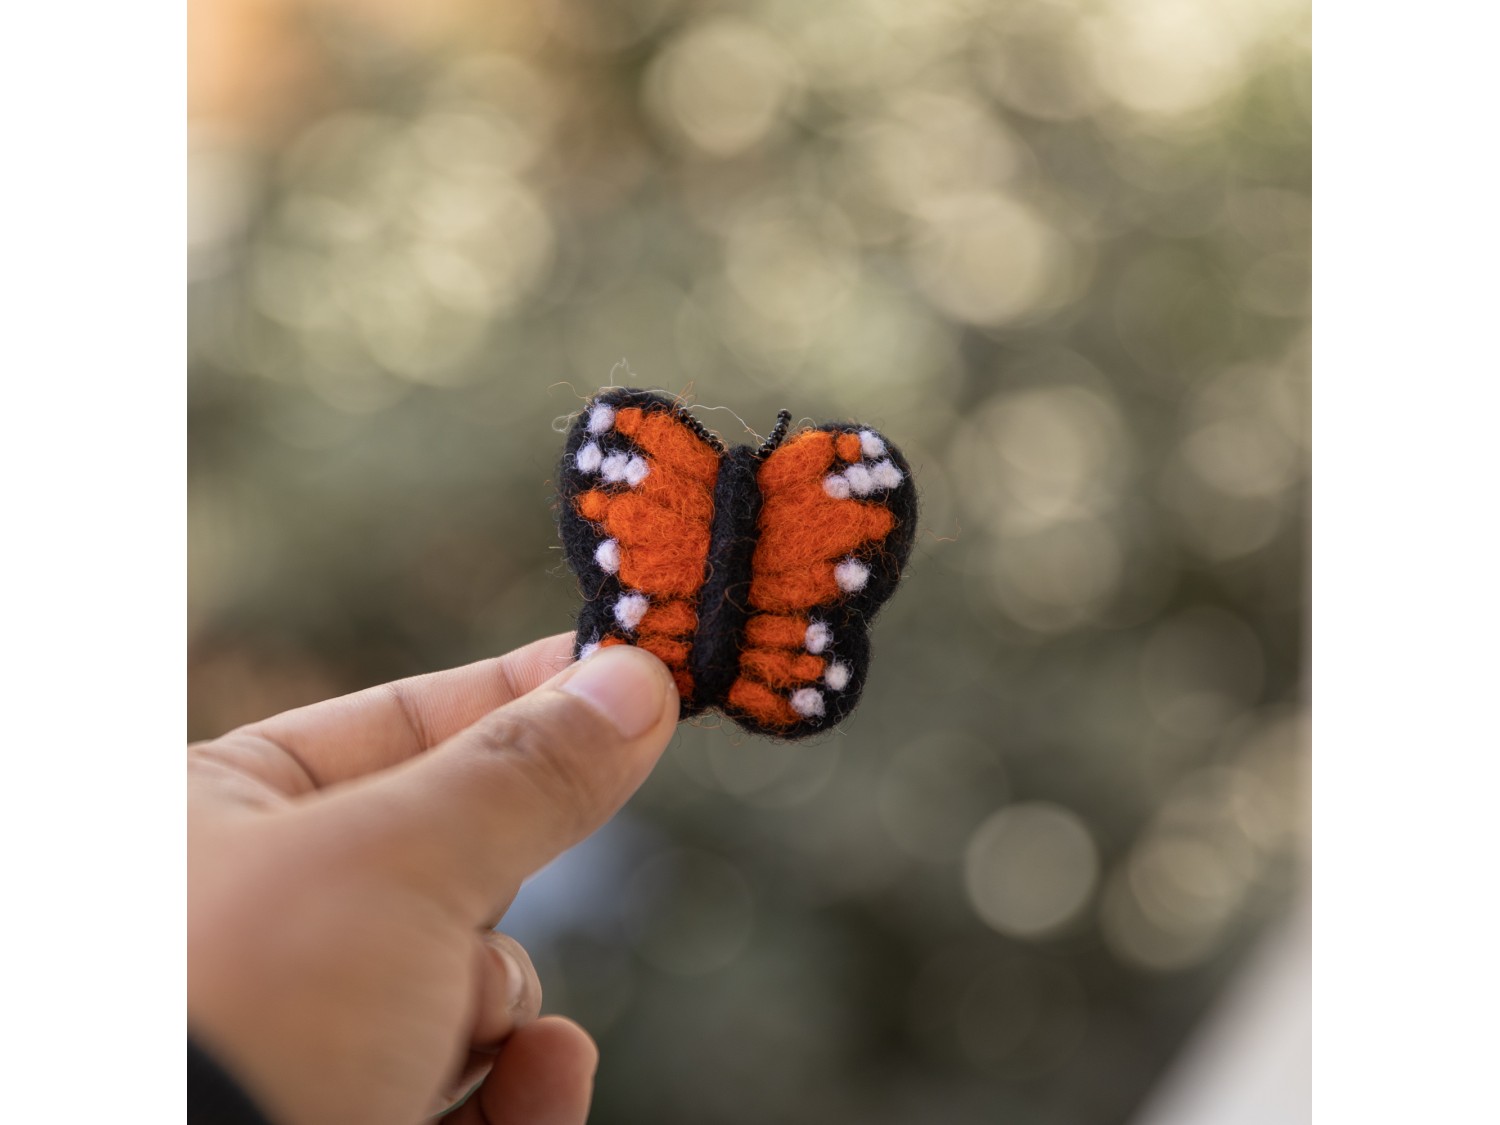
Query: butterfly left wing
(636, 486)
(837, 522)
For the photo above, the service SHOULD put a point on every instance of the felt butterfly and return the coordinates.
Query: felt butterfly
(753, 573)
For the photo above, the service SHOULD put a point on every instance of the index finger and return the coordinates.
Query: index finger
(340, 739)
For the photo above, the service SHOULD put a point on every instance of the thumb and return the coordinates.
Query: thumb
(483, 810)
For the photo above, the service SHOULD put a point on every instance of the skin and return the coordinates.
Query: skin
(347, 862)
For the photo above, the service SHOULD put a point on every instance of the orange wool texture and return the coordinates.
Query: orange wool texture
(803, 530)
(814, 529)
(765, 705)
(774, 630)
(672, 619)
(672, 653)
(592, 505)
(781, 667)
(667, 633)
(669, 444)
(656, 558)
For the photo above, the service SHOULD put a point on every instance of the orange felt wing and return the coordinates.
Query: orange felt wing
(836, 526)
(637, 491)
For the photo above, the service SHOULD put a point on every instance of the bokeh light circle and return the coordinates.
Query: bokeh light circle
(721, 85)
(1030, 869)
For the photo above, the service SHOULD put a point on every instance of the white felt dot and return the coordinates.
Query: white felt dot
(870, 444)
(818, 637)
(885, 474)
(630, 609)
(613, 468)
(588, 650)
(607, 555)
(836, 675)
(807, 702)
(635, 471)
(851, 575)
(836, 486)
(860, 480)
(601, 418)
(589, 456)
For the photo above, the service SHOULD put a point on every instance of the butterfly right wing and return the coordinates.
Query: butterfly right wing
(637, 490)
(837, 523)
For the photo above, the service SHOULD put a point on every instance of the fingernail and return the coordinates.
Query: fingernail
(515, 979)
(623, 684)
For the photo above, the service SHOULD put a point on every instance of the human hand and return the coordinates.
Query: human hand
(347, 860)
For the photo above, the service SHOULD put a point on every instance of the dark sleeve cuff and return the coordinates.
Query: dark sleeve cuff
(213, 1097)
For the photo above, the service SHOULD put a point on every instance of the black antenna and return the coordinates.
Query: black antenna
(767, 447)
(690, 420)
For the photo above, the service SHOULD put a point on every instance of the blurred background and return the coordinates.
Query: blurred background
(1052, 871)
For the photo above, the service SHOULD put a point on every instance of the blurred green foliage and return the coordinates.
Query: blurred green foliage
(1059, 252)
